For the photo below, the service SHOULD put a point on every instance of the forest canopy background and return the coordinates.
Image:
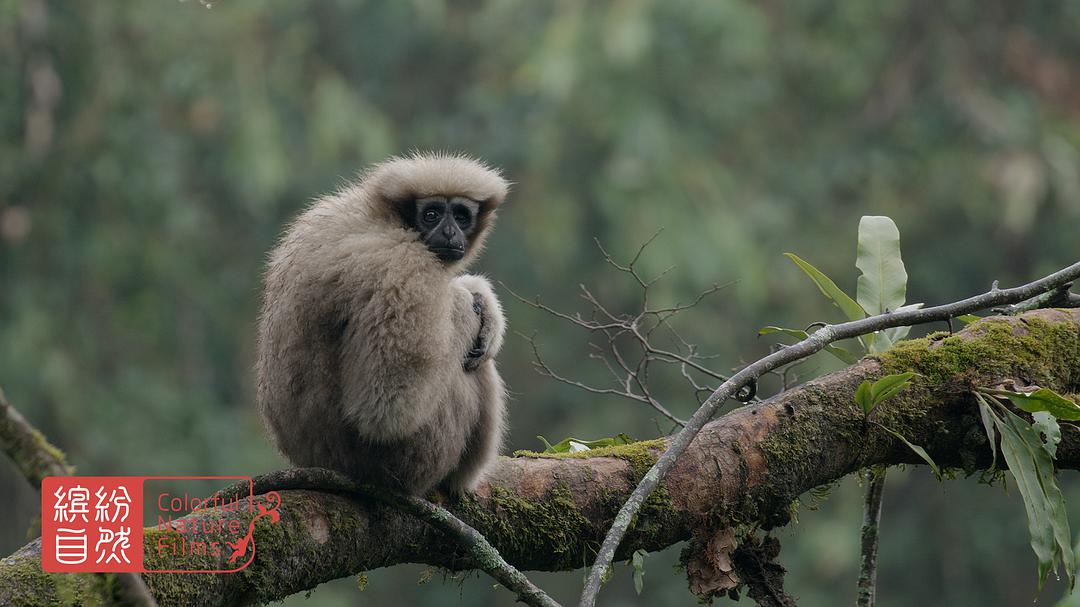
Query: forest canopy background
(153, 151)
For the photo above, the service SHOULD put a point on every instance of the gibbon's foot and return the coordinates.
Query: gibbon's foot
(483, 337)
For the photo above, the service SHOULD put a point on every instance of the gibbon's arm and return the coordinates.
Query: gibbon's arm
(403, 350)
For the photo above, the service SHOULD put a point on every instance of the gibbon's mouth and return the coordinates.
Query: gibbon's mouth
(449, 253)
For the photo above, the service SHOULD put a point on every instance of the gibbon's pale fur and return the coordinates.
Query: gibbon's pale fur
(364, 331)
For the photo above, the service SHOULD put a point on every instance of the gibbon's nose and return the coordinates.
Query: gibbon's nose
(448, 231)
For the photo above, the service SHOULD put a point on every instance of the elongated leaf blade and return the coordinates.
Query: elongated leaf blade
(1022, 466)
(862, 397)
(917, 450)
(991, 430)
(888, 383)
(1043, 399)
(1033, 469)
(881, 342)
(798, 334)
(638, 561)
(867, 342)
(573, 445)
(895, 334)
(1046, 424)
(882, 286)
(891, 392)
(825, 284)
(848, 357)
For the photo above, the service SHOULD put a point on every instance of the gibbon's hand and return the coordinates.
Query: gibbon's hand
(483, 337)
(487, 341)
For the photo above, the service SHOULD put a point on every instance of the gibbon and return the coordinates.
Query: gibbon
(375, 350)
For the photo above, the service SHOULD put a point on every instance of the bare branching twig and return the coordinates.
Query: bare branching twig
(1058, 298)
(629, 344)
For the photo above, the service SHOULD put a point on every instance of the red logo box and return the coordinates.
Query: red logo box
(95, 524)
(91, 523)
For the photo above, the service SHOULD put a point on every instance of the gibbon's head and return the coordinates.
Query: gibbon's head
(449, 201)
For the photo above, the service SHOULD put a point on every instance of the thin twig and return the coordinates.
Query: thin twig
(673, 357)
(621, 321)
(626, 392)
(484, 555)
(875, 488)
(1058, 298)
(673, 310)
(811, 345)
(632, 378)
(36, 458)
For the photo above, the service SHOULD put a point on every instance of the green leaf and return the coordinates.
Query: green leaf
(867, 341)
(991, 429)
(796, 333)
(895, 334)
(1024, 469)
(882, 287)
(572, 445)
(1033, 470)
(863, 399)
(800, 335)
(917, 450)
(1042, 399)
(967, 319)
(1046, 424)
(879, 342)
(891, 392)
(844, 355)
(889, 385)
(868, 396)
(846, 304)
(638, 562)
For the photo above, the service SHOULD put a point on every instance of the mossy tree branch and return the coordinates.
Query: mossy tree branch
(749, 374)
(27, 448)
(742, 471)
(36, 458)
(471, 541)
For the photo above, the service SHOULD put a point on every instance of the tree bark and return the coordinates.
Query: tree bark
(550, 513)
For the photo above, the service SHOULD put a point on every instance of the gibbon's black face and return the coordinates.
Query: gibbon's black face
(445, 224)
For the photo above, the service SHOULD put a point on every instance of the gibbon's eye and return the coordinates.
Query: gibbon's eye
(430, 216)
(463, 217)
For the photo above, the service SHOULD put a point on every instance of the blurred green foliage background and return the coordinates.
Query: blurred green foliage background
(151, 152)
